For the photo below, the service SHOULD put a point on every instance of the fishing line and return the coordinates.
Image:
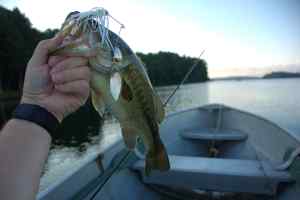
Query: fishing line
(101, 16)
(122, 25)
(184, 79)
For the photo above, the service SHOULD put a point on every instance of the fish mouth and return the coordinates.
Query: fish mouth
(77, 30)
(87, 35)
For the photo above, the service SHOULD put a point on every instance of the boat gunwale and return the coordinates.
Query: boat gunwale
(90, 160)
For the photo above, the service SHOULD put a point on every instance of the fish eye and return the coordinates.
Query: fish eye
(93, 24)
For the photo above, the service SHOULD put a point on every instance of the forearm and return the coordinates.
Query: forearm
(59, 84)
(24, 148)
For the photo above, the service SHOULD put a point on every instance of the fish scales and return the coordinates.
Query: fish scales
(140, 92)
(145, 100)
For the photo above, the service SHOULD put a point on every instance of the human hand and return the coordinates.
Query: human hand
(57, 83)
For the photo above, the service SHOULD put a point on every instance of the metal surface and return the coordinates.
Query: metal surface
(216, 174)
(72, 184)
(210, 134)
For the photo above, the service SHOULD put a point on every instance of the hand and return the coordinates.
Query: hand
(59, 84)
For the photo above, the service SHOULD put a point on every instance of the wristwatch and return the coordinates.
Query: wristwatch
(37, 115)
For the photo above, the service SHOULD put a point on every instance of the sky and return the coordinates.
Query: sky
(246, 37)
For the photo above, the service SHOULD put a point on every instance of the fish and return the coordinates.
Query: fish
(135, 104)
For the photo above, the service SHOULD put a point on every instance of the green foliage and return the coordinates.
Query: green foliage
(17, 42)
(166, 68)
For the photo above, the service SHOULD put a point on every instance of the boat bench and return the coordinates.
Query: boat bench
(212, 134)
(216, 174)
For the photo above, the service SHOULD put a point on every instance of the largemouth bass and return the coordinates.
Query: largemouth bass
(137, 107)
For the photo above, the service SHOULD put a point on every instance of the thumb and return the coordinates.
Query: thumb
(40, 54)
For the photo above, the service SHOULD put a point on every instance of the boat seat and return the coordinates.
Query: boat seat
(212, 134)
(216, 174)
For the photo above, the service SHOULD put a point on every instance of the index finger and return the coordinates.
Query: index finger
(44, 47)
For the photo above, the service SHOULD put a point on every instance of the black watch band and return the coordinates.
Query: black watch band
(37, 115)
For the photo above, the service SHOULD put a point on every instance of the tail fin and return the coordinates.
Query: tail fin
(157, 158)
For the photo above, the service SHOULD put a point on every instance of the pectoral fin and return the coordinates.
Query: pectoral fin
(129, 136)
(98, 102)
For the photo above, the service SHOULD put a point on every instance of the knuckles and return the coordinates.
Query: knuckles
(80, 73)
(71, 62)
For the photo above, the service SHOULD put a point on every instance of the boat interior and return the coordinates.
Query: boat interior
(215, 152)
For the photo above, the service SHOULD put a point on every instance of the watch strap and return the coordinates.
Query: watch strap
(38, 115)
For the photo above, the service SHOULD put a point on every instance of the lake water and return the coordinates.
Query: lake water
(275, 99)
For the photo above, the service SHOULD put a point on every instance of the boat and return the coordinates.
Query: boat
(215, 152)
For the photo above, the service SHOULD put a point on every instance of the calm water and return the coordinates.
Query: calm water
(275, 99)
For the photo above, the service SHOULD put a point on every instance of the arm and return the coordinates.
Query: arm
(61, 86)
(24, 149)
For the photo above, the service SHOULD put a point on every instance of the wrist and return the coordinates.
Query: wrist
(38, 115)
(41, 103)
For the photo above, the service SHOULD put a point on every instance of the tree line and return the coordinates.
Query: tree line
(18, 39)
(167, 68)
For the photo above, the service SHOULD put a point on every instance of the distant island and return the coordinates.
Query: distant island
(235, 78)
(281, 75)
(271, 75)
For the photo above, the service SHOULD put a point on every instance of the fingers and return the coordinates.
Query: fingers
(42, 50)
(67, 63)
(87, 52)
(54, 60)
(53, 43)
(69, 75)
(73, 81)
(77, 88)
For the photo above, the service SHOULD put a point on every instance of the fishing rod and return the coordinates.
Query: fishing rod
(184, 79)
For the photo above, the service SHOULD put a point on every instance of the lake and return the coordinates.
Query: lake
(275, 99)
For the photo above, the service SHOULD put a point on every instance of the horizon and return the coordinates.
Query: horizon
(240, 37)
(252, 71)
